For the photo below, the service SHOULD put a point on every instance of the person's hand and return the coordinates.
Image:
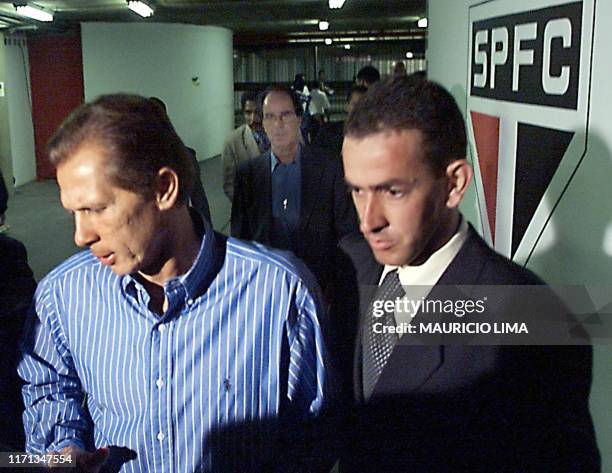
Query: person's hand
(84, 461)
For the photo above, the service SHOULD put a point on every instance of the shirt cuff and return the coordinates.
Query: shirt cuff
(57, 446)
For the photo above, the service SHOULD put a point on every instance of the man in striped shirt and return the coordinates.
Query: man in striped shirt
(144, 352)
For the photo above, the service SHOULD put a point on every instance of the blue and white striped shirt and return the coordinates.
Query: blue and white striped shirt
(239, 342)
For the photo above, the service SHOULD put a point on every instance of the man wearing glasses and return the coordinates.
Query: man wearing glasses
(293, 197)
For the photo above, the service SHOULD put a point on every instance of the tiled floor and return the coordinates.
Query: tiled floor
(37, 219)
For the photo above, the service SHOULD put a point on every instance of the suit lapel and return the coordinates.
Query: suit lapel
(311, 171)
(249, 141)
(262, 194)
(367, 271)
(466, 267)
(410, 366)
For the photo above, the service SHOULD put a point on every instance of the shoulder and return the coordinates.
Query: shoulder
(11, 249)
(354, 244)
(234, 137)
(271, 264)
(357, 250)
(319, 156)
(17, 277)
(492, 267)
(250, 165)
(78, 271)
(237, 133)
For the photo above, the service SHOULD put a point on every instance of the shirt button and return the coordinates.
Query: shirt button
(159, 383)
(189, 301)
(161, 328)
(161, 436)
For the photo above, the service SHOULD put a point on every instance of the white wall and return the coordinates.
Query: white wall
(161, 60)
(21, 129)
(6, 165)
(576, 246)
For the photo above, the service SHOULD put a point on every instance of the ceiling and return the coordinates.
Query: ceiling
(254, 21)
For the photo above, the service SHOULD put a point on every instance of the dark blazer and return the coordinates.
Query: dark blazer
(198, 198)
(469, 408)
(16, 291)
(3, 195)
(330, 138)
(327, 213)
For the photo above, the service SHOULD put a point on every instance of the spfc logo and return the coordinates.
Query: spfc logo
(528, 109)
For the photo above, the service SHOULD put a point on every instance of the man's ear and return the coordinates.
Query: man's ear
(166, 188)
(459, 175)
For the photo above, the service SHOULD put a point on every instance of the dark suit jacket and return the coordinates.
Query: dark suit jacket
(3, 195)
(16, 291)
(326, 215)
(330, 138)
(198, 198)
(469, 408)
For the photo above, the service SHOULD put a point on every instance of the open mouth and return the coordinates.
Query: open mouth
(108, 259)
(380, 245)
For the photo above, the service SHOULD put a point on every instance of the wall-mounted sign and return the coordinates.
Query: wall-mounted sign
(528, 102)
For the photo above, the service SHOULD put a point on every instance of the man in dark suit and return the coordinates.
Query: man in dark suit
(17, 287)
(442, 407)
(291, 197)
(3, 202)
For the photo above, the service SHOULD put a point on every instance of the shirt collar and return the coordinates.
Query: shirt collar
(274, 161)
(202, 272)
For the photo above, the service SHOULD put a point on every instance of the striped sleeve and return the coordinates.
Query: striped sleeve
(308, 385)
(53, 416)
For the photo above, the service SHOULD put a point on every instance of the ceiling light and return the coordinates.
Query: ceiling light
(409, 55)
(34, 12)
(347, 46)
(323, 25)
(328, 41)
(422, 23)
(141, 8)
(336, 3)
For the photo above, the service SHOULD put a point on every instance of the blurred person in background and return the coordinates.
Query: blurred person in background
(17, 287)
(330, 136)
(367, 76)
(3, 204)
(245, 142)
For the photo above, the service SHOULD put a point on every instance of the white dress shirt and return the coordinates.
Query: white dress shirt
(421, 278)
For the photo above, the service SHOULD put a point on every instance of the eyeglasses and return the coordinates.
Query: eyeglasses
(283, 116)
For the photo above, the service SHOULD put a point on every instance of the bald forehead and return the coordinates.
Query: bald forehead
(277, 96)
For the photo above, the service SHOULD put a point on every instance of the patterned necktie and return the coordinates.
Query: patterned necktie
(377, 347)
(263, 143)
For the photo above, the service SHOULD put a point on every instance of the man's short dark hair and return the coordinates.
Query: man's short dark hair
(368, 74)
(413, 103)
(137, 135)
(283, 89)
(248, 96)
